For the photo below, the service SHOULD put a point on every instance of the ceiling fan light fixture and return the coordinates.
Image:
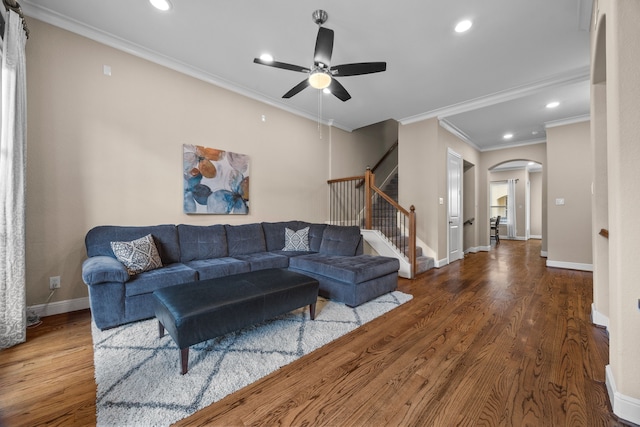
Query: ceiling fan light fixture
(319, 80)
(463, 26)
(163, 5)
(266, 57)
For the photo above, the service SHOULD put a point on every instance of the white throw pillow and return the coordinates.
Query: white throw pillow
(296, 240)
(138, 255)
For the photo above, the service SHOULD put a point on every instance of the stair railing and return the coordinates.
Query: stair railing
(372, 209)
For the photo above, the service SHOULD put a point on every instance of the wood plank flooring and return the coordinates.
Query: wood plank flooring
(496, 339)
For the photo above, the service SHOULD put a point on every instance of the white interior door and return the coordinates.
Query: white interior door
(454, 184)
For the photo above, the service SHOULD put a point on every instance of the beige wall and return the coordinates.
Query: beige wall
(536, 203)
(419, 169)
(619, 130)
(422, 165)
(108, 150)
(569, 178)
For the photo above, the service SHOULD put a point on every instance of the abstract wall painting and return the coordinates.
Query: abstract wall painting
(215, 181)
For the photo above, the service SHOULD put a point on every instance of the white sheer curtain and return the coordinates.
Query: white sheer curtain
(12, 183)
(511, 208)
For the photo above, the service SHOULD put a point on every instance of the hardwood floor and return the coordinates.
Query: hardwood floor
(496, 339)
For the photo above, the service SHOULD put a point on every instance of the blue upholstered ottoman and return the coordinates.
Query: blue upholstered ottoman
(199, 311)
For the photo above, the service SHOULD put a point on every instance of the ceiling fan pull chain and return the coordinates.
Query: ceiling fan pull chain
(319, 112)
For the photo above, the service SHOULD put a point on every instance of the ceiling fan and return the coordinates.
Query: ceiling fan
(322, 75)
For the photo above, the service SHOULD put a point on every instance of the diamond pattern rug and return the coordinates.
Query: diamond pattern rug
(138, 374)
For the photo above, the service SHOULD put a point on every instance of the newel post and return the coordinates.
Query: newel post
(369, 179)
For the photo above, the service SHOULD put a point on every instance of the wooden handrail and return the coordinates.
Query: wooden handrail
(382, 159)
(389, 200)
(351, 178)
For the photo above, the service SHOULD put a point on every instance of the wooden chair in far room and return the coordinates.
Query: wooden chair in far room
(495, 230)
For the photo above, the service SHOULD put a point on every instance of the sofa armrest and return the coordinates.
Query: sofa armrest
(101, 269)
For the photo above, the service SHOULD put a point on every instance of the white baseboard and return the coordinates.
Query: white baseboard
(440, 263)
(598, 318)
(535, 236)
(59, 307)
(473, 250)
(569, 265)
(625, 407)
(543, 254)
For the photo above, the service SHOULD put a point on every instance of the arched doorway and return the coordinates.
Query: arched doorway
(515, 190)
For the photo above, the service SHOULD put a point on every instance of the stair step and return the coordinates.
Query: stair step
(424, 263)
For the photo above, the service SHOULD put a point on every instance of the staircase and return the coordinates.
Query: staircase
(385, 222)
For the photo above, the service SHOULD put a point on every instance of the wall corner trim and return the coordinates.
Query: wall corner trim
(625, 407)
(569, 265)
(598, 318)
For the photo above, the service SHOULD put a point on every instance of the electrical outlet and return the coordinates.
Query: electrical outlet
(54, 282)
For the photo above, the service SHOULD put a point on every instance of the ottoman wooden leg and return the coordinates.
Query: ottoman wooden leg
(160, 329)
(312, 311)
(184, 359)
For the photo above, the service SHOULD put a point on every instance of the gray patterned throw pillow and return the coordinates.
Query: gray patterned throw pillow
(138, 255)
(296, 240)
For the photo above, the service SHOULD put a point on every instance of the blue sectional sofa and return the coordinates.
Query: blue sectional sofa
(191, 252)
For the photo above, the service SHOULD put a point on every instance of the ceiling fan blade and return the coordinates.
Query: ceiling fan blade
(339, 91)
(282, 65)
(297, 89)
(324, 47)
(358, 68)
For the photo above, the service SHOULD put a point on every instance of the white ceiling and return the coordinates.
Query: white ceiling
(496, 78)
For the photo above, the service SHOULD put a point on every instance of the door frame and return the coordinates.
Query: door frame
(460, 166)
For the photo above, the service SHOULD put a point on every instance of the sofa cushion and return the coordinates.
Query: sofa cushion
(98, 240)
(296, 241)
(202, 242)
(340, 240)
(169, 275)
(315, 236)
(245, 239)
(218, 267)
(354, 269)
(274, 233)
(138, 255)
(263, 260)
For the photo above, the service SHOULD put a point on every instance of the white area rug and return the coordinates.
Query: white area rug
(138, 374)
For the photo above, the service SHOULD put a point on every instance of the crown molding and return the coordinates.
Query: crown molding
(567, 121)
(457, 132)
(573, 76)
(517, 144)
(53, 18)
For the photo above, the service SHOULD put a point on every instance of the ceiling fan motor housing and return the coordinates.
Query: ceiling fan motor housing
(320, 16)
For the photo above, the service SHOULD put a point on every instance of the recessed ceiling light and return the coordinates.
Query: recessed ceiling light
(266, 57)
(507, 136)
(463, 26)
(553, 104)
(535, 132)
(162, 5)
